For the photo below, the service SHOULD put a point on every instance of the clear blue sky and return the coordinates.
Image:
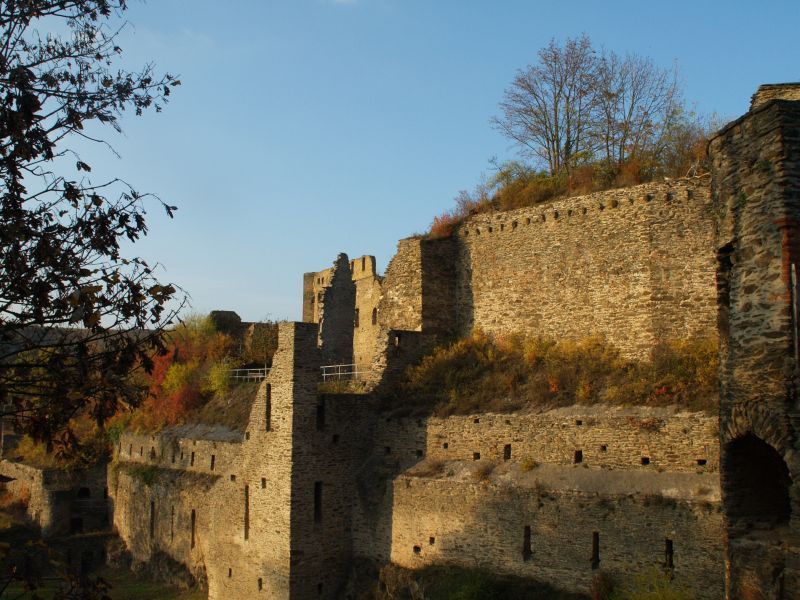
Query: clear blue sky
(305, 128)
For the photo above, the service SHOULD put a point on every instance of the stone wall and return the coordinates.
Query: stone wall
(480, 521)
(635, 265)
(630, 439)
(757, 191)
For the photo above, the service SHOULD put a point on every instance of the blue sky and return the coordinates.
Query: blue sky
(305, 128)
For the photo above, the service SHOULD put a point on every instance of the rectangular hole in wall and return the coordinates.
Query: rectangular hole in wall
(445, 445)
(476, 456)
(260, 584)
(595, 550)
(507, 452)
(246, 512)
(431, 540)
(419, 453)
(701, 462)
(233, 477)
(669, 560)
(645, 460)
(172, 523)
(263, 483)
(526, 543)
(603, 448)
(173, 456)
(578, 422)
(317, 501)
(152, 518)
(213, 461)
(321, 413)
(578, 456)
(193, 525)
(191, 461)
(230, 572)
(417, 550)
(355, 318)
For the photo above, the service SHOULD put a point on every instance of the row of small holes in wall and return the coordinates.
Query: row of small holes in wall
(668, 197)
(645, 460)
(263, 481)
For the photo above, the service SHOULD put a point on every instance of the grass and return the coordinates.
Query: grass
(484, 373)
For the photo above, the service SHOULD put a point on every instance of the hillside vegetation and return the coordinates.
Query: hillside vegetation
(485, 373)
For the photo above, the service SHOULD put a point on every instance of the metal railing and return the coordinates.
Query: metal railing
(249, 374)
(342, 372)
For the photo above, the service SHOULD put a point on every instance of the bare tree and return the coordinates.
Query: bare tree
(636, 103)
(547, 109)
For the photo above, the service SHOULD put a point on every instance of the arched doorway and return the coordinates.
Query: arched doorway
(756, 483)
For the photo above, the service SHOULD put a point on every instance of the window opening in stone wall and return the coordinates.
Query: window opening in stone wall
(603, 448)
(645, 460)
(141, 450)
(130, 450)
(260, 584)
(507, 452)
(476, 420)
(363, 263)
(233, 477)
(578, 456)
(701, 462)
(756, 483)
(191, 461)
(321, 413)
(526, 543)
(578, 422)
(173, 456)
(445, 445)
(246, 512)
(668, 554)
(181, 455)
(419, 453)
(417, 550)
(172, 523)
(595, 550)
(194, 523)
(263, 483)
(476, 456)
(230, 572)
(268, 409)
(152, 518)
(84, 492)
(213, 461)
(317, 501)
(374, 316)
(152, 453)
(431, 540)
(355, 318)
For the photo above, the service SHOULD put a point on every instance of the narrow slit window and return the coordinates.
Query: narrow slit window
(578, 456)
(213, 460)
(321, 414)
(526, 543)
(172, 523)
(263, 483)
(152, 518)
(507, 452)
(363, 263)
(669, 561)
(246, 512)
(595, 550)
(374, 316)
(317, 501)
(355, 319)
(194, 527)
(260, 584)
(191, 461)
(268, 409)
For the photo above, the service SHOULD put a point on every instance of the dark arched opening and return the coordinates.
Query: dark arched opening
(756, 482)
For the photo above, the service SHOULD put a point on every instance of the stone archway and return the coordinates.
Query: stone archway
(756, 484)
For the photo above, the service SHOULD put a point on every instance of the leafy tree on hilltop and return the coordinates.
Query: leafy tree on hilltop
(76, 316)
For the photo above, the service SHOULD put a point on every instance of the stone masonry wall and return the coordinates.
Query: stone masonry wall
(485, 529)
(607, 437)
(635, 265)
(757, 189)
